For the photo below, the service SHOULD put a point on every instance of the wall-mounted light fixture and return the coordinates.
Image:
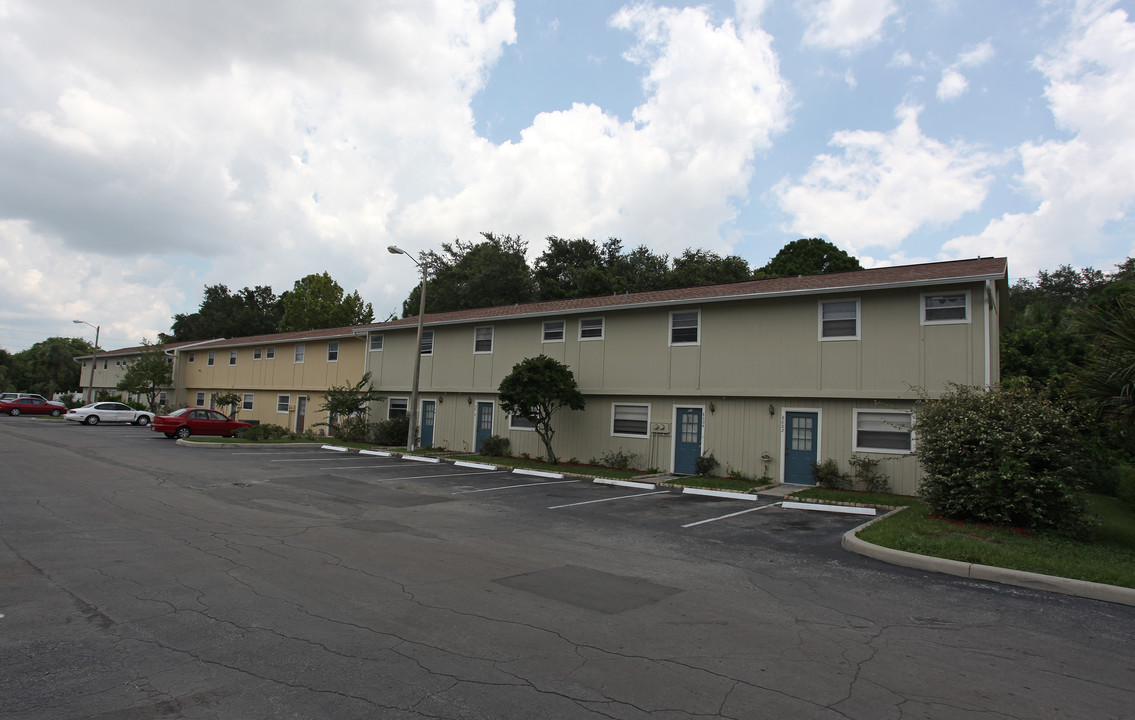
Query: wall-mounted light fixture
(771, 409)
(469, 400)
(712, 408)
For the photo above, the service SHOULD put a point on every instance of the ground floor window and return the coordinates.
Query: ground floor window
(247, 404)
(283, 402)
(398, 407)
(630, 419)
(200, 399)
(519, 422)
(886, 431)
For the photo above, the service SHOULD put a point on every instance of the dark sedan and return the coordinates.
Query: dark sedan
(197, 421)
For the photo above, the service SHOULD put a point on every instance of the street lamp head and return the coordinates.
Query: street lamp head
(395, 250)
(79, 322)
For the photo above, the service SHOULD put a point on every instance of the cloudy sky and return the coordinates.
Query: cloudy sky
(148, 149)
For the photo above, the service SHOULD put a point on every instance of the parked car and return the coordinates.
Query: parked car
(96, 412)
(198, 421)
(32, 406)
(8, 396)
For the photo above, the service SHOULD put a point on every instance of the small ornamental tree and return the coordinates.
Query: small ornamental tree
(1007, 456)
(229, 400)
(149, 375)
(535, 389)
(346, 407)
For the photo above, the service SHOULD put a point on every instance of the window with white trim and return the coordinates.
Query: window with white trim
(210, 361)
(630, 420)
(944, 308)
(483, 339)
(190, 357)
(553, 331)
(283, 402)
(684, 327)
(591, 329)
(232, 357)
(376, 342)
(398, 407)
(200, 399)
(162, 398)
(519, 422)
(270, 353)
(247, 404)
(839, 320)
(256, 353)
(884, 431)
(427, 347)
(333, 351)
(301, 349)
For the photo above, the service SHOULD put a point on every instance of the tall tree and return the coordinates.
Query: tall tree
(700, 267)
(224, 314)
(1107, 379)
(152, 373)
(572, 269)
(536, 389)
(467, 275)
(637, 271)
(49, 366)
(808, 256)
(317, 301)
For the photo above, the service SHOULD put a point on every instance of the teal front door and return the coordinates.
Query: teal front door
(484, 424)
(800, 435)
(687, 440)
(429, 412)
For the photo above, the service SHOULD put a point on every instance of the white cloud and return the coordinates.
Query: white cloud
(977, 55)
(885, 186)
(1083, 183)
(846, 24)
(952, 85)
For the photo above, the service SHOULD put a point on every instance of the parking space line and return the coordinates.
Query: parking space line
(510, 487)
(621, 497)
(411, 477)
(722, 517)
(321, 458)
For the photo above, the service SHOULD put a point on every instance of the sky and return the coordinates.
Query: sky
(149, 149)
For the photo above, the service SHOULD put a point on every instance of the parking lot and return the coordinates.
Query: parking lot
(145, 579)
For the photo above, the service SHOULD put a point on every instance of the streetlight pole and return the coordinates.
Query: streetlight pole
(94, 358)
(410, 434)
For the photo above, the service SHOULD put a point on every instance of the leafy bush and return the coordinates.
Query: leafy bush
(265, 431)
(496, 446)
(354, 429)
(867, 476)
(392, 431)
(1007, 456)
(1125, 489)
(620, 459)
(705, 464)
(828, 475)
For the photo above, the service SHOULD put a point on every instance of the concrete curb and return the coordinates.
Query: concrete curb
(974, 571)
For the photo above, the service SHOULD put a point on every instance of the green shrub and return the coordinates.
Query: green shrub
(705, 464)
(865, 470)
(620, 459)
(265, 431)
(828, 475)
(496, 446)
(392, 431)
(354, 429)
(1007, 456)
(1125, 487)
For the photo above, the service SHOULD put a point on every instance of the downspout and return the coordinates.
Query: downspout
(990, 296)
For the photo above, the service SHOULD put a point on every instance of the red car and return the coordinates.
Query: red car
(32, 406)
(197, 421)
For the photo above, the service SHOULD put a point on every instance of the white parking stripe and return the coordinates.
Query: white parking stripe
(621, 497)
(510, 487)
(742, 512)
(411, 477)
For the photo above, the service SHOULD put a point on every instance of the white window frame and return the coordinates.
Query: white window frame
(200, 399)
(190, 358)
(376, 337)
(162, 398)
(232, 357)
(948, 321)
(856, 447)
(427, 346)
(405, 405)
(477, 340)
(332, 351)
(257, 353)
(270, 352)
(837, 338)
(602, 329)
(246, 401)
(300, 353)
(525, 426)
(283, 404)
(614, 411)
(551, 325)
(210, 362)
(697, 327)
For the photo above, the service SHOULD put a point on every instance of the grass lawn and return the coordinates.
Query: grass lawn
(853, 496)
(1107, 556)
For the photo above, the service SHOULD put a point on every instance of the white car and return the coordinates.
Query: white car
(96, 412)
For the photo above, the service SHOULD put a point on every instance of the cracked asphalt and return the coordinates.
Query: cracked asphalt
(140, 579)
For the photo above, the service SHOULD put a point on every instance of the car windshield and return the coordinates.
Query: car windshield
(179, 413)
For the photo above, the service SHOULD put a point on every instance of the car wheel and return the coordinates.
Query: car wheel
(14, 412)
(170, 435)
(183, 432)
(56, 412)
(91, 420)
(143, 421)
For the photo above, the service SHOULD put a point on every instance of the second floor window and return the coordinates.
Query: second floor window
(333, 352)
(232, 357)
(684, 328)
(427, 347)
(591, 329)
(376, 342)
(483, 340)
(554, 331)
(300, 350)
(839, 320)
